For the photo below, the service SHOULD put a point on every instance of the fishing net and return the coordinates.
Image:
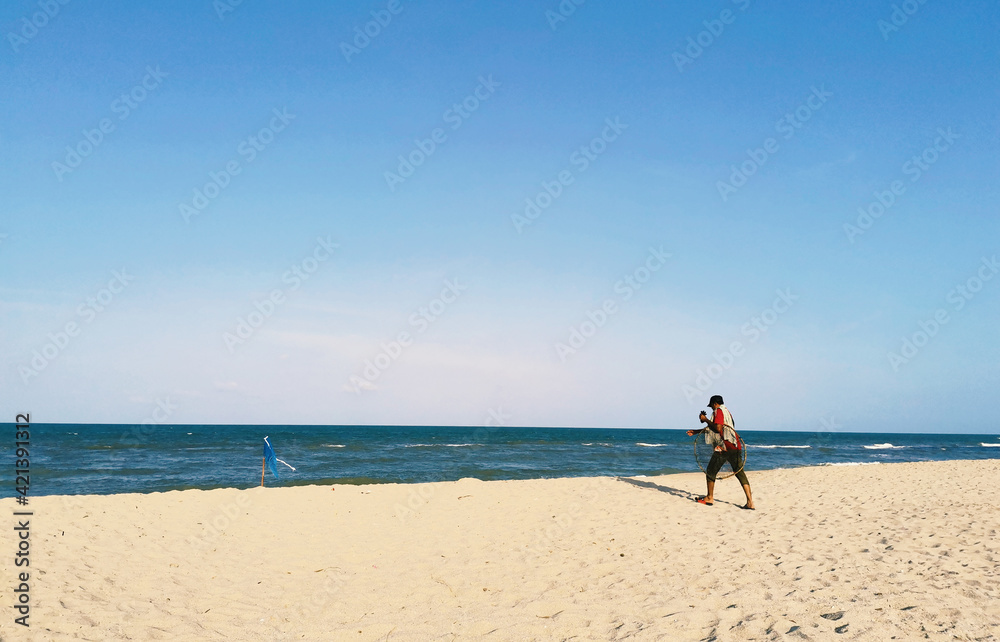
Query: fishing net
(703, 454)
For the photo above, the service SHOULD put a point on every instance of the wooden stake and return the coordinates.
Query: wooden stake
(262, 460)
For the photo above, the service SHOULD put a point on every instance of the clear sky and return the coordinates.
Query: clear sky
(593, 214)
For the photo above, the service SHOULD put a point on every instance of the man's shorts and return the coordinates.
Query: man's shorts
(735, 459)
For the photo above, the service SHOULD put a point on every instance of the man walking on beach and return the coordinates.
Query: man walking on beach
(721, 431)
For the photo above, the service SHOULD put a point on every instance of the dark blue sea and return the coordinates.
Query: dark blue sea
(103, 459)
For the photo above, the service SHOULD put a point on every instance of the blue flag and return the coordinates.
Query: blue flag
(271, 458)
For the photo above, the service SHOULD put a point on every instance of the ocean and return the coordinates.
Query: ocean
(105, 459)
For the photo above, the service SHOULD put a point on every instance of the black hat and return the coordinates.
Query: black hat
(715, 399)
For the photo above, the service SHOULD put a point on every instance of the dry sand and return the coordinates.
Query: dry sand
(895, 551)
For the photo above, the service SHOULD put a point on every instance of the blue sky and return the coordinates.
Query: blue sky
(502, 297)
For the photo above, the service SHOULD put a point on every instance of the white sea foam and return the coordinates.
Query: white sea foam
(334, 446)
(986, 445)
(882, 447)
(851, 463)
(639, 443)
(437, 445)
(600, 443)
(778, 446)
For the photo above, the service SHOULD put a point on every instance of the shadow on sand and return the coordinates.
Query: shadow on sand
(676, 492)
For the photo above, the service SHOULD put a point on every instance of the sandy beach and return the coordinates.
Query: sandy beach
(877, 552)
